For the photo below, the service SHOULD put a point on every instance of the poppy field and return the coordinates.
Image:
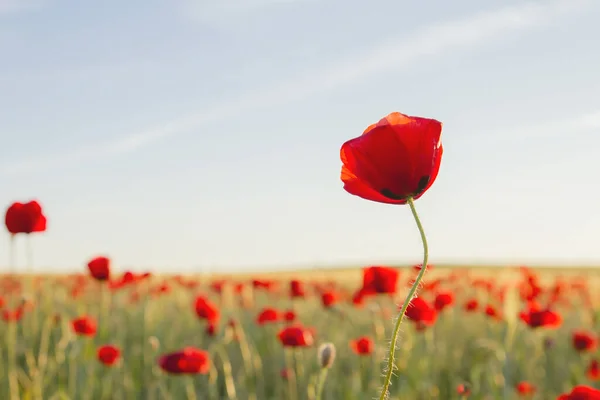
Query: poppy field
(471, 333)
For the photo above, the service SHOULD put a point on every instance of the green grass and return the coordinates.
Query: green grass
(488, 356)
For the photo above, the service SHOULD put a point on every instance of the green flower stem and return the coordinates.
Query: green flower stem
(392, 351)
(321, 382)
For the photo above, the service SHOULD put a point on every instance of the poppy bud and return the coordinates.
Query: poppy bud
(326, 355)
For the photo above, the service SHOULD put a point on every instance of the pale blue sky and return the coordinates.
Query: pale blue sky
(190, 133)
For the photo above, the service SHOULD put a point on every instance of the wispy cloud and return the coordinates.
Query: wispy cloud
(476, 30)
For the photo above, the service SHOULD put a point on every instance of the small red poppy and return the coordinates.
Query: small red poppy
(397, 158)
(268, 315)
(205, 309)
(108, 355)
(99, 268)
(584, 341)
(362, 346)
(380, 280)
(297, 288)
(84, 326)
(295, 336)
(187, 361)
(25, 218)
(420, 312)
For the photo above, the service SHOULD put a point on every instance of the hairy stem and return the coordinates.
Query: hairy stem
(392, 351)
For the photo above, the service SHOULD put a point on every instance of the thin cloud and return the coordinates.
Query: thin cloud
(476, 30)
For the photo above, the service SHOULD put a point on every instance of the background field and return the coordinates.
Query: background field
(489, 356)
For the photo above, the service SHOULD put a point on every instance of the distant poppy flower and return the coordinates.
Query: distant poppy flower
(471, 305)
(593, 370)
(362, 346)
(289, 315)
(14, 315)
(190, 360)
(211, 328)
(541, 318)
(25, 218)
(296, 336)
(443, 300)
(205, 309)
(380, 280)
(297, 288)
(581, 392)
(108, 354)
(397, 158)
(492, 312)
(268, 315)
(99, 268)
(525, 388)
(420, 312)
(463, 390)
(84, 326)
(584, 341)
(328, 299)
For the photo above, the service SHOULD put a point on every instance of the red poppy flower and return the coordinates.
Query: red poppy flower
(14, 315)
(443, 300)
(471, 305)
(581, 392)
(187, 361)
(25, 218)
(362, 346)
(84, 326)
(108, 355)
(297, 288)
(492, 312)
(420, 312)
(541, 318)
(329, 299)
(268, 315)
(205, 309)
(289, 315)
(397, 158)
(463, 390)
(525, 388)
(593, 370)
(99, 268)
(584, 341)
(296, 336)
(380, 280)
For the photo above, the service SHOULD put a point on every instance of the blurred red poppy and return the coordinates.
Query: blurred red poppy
(25, 218)
(443, 300)
(190, 360)
(525, 388)
(108, 355)
(99, 268)
(593, 370)
(581, 392)
(205, 309)
(420, 312)
(330, 298)
(84, 326)
(541, 318)
(397, 158)
(297, 288)
(268, 315)
(584, 341)
(362, 346)
(296, 336)
(379, 280)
